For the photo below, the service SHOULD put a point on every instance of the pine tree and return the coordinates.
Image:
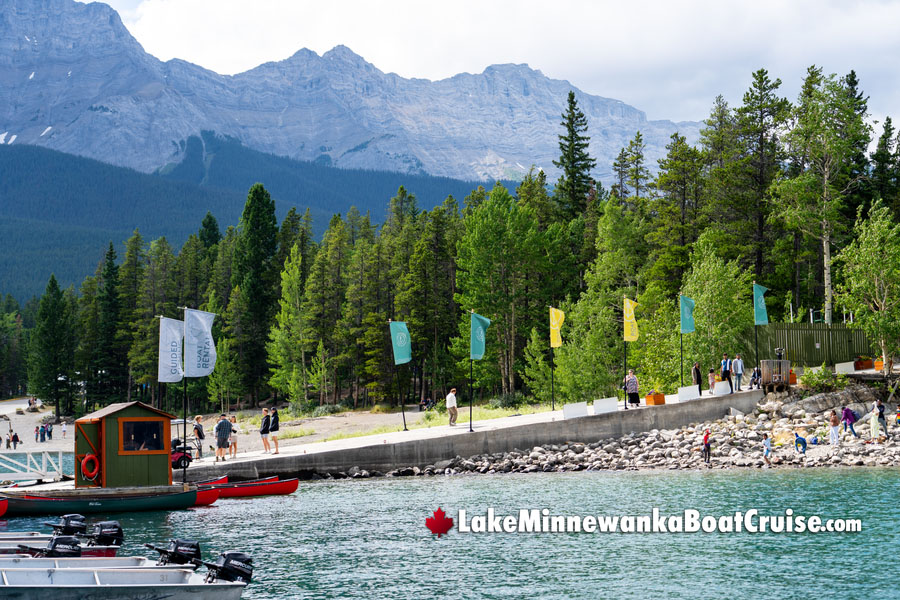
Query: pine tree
(111, 352)
(638, 174)
(574, 161)
(286, 347)
(884, 167)
(52, 360)
(676, 213)
(209, 232)
(254, 271)
(131, 274)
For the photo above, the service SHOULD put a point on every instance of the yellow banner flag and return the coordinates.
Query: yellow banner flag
(556, 320)
(631, 330)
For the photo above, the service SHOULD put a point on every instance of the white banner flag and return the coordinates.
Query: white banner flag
(170, 334)
(199, 347)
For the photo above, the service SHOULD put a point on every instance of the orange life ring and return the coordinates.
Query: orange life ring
(90, 473)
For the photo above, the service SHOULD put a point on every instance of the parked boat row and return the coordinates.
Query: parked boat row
(84, 502)
(62, 569)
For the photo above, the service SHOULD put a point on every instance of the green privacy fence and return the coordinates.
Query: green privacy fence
(808, 344)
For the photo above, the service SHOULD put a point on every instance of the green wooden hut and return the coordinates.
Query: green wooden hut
(123, 445)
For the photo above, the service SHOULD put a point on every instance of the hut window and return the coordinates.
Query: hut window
(142, 436)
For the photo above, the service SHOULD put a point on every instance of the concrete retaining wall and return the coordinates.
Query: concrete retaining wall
(421, 452)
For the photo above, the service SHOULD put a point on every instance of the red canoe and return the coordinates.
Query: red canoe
(217, 483)
(3, 505)
(259, 488)
(205, 497)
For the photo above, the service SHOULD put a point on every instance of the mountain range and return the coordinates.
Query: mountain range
(73, 79)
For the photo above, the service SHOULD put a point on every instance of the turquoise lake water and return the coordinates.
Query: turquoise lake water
(367, 538)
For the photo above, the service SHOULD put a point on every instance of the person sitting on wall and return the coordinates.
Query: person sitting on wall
(755, 378)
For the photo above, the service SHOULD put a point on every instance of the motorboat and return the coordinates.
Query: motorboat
(225, 579)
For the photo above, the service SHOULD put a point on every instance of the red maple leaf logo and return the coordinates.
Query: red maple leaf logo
(439, 523)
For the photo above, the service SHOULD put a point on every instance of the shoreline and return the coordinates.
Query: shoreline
(736, 444)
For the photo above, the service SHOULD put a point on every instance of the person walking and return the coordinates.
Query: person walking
(273, 428)
(767, 449)
(848, 419)
(697, 378)
(834, 433)
(706, 449)
(879, 407)
(232, 447)
(711, 377)
(199, 435)
(223, 434)
(43, 431)
(264, 430)
(451, 407)
(737, 367)
(632, 388)
(726, 372)
(15, 440)
(64, 429)
(36, 433)
(8, 441)
(799, 443)
(49, 431)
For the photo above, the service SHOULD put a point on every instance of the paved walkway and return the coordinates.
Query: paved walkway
(424, 433)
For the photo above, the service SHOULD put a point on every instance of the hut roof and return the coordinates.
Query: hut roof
(118, 406)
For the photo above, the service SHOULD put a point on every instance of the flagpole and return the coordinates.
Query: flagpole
(552, 390)
(184, 427)
(682, 359)
(625, 367)
(471, 392)
(755, 330)
(402, 408)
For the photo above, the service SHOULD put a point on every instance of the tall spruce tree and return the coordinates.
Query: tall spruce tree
(52, 361)
(254, 271)
(575, 181)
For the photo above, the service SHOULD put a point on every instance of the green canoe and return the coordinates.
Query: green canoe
(33, 506)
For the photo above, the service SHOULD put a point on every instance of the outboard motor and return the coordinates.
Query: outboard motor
(230, 566)
(178, 552)
(61, 546)
(69, 525)
(106, 533)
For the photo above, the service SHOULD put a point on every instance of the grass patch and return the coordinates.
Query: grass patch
(296, 433)
(374, 431)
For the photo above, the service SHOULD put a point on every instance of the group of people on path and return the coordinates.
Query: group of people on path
(12, 440)
(730, 370)
(848, 417)
(226, 431)
(44, 433)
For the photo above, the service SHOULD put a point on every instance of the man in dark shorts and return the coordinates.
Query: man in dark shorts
(223, 437)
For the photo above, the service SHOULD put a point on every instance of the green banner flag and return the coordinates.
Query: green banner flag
(476, 341)
(760, 317)
(687, 314)
(400, 341)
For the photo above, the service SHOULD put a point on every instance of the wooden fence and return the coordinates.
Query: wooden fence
(808, 344)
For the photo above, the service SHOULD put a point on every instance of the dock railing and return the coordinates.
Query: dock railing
(36, 465)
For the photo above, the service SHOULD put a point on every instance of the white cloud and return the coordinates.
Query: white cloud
(667, 58)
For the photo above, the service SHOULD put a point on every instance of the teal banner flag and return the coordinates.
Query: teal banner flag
(400, 341)
(687, 314)
(479, 335)
(760, 317)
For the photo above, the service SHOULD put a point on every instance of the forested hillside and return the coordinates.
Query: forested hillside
(58, 211)
(784, 194)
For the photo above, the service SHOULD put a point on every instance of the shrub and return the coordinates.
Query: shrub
(823, 380)
(514, 400)
(325, 410)
(382, 408)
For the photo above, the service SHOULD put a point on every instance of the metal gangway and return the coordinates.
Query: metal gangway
(36, 465)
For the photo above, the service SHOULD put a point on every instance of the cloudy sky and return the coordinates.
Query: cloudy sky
(668, 58)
